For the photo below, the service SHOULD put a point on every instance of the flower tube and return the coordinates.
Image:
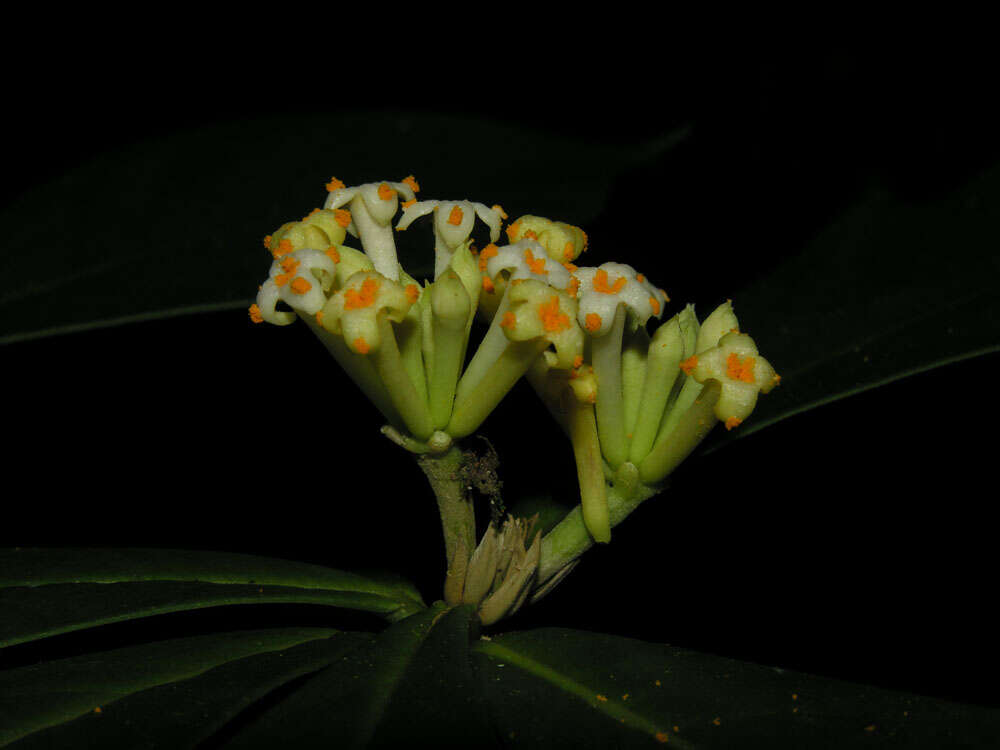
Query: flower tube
(609, 295)
(372, 207)
(453, 222)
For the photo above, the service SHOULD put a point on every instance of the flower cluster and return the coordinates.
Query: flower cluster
(633, 402)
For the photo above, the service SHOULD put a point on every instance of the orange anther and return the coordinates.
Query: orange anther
(361, 346)
(509, 320)
(513, 230)
(385, 192)
(655, 304)
(456, 216)
(289, 265)
(689, 364)
(343, 217)
(600, 283)
(300, 285)
(267, 241)
(255, 315)
(334, 184)
(488, 285)
(284, 248)
(573, 287)
(488, 252)
(738, 370)
(355, 300)
(577, 361)
(568, 251)
(412, 183)
(319, 317)
(536, 265)
(553, 319)
(412, 292)
(530, 235)
(593, 322)
(733, 422)
(499, 209)
(407, 204)
(333, 254)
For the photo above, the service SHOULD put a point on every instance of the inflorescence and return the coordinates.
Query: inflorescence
(633, 403)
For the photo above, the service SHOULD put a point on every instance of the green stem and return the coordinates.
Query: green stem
(458, 516)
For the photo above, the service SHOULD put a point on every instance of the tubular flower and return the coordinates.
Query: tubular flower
(742, 374)
(612, 295)
(354, 311)
(372, 207)
(300, 279)
(562, 242)
(453, 222)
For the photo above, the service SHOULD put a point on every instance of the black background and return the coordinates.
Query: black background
(852, 541)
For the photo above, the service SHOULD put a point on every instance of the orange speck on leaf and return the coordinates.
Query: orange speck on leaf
(537, 265)
(385, 192)
(733, 422)
(740, 370)
(343, 217)
(412, 183)
(361, 346)
(456, 216)
(509, 320)
(334, 184)
(412, 292)
(355, 300)
(593, 322)
(600, 283)
(255, 315)
(553, 319)
(300, 286)
(689, 364)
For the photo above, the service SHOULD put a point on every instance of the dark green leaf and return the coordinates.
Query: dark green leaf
(46, 592)
(170, 694)
(891, 289)
(412, 684)
(174, 225)
(555, 687)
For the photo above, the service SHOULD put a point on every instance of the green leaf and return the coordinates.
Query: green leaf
(555, 687)
(171, 694)
(412, 684)
(891, 289)
(46, 592)
(174, 225)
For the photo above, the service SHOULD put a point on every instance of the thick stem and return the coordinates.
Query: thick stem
(458, 517)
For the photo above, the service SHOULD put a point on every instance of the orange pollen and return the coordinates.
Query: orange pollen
(733, 422)
(289, 265)
(267, 242)
(361, 345)
(385, 192)
(777, 379)
(585, 241)
(530, 235)
(689, 364)
(738, 370)
(499, 209)
(661, 737)
(334, 184)
(654, 303)
(639, 277)
(284, 248)
(553, 319)
(333, 254)
(577, 361)
(488, 285)
(570, 267)
(600, 283)
(281, 279)
(343, 217)
(300, 285)
(412, 292)
(407, 204)
(412, 183)
(568, 252)
(573, 287)
(319, 317)
(456, 216)
(509, 320)
(512, 230)
(255, 315)
(536, 266)
(355, 300)
(593, 322)
(488, 252)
